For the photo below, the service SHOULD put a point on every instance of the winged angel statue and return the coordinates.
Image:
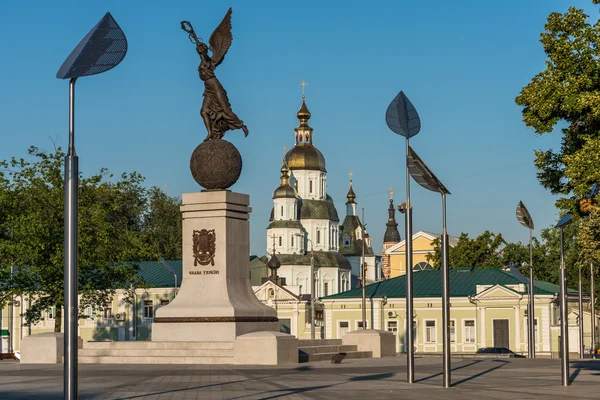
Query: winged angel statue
(216, 110)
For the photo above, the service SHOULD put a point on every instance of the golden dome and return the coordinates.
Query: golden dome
(285, 190)
(306, 157)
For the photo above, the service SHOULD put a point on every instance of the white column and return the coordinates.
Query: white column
(482, 321)
(328, 322)
(517, 329)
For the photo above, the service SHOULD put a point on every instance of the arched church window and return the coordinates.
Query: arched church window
(421, 266)
(310, 186)
(325, 289)
(280, 241)
(282, 211)
(271, 294)
(318, 236)
(346, 240)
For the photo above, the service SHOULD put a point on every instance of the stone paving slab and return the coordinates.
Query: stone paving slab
(383, 378)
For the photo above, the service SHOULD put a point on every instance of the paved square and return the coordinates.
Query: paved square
(503, 378)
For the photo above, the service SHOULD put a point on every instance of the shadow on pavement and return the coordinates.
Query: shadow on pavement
(453, 369)
(487, 371)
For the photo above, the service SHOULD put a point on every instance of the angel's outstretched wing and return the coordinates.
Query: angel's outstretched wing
(221, 39)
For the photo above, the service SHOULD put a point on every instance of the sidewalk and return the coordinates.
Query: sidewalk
(353, 379)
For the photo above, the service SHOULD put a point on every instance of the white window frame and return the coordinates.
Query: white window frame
(359, 322)
(146, 307)
(51, 313)
(450, 332)
(474, 336)
(425, 328)
(107, 311)
(388, 327)
(339, 327)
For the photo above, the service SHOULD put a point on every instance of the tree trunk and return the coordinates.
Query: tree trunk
(58, 319)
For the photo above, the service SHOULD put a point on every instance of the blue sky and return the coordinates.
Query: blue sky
(460, 63)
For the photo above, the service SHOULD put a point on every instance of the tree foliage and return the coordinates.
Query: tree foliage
(567, 91)
(114, 219)
(481, 252)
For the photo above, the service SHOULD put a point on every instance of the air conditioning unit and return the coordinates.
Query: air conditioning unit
(120, 316)
(392, 314)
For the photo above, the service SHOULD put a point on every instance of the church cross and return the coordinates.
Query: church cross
(391, 192)
(350, 174)
(166, 188)
(284, 149)
(303, 85)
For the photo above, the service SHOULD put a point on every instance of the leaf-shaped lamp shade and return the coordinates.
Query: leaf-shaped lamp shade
(102, 49)
(564, 221)
(523, 216)
(422, 174)
(402, 117)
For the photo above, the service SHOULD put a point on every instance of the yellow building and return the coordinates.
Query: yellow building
(422, 243)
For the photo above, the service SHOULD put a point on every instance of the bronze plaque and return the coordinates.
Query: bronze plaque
(204, 247)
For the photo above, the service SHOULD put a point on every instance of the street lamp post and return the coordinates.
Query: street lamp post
(564, 323)
(312, 287)
(426, 178)
(580, 319)
(524, 219)
(402, 118)
(593, 191)
(363, 273)
(102, 49)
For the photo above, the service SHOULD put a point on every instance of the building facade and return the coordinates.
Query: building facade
(488, 309)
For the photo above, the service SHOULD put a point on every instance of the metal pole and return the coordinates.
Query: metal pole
(312, 291)
(593, 311)
(446, 297)
(564, 323)
(410, 351)
(531, 313)
(70, 295)
(580, 316)
(363, 275)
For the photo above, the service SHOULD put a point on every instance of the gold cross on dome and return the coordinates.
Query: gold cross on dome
(391, 192)
(303, 85)
(350, 174)
(166, 187)
(284, 149)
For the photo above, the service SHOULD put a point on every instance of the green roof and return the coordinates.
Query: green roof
(318, 209)
(543, 287)
(428, 283)
(285, 224)
(156, 275)
(323, 259)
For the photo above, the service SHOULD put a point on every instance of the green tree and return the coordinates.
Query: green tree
(161, 226)
(32, 233)
(481, 252)
(566, 92)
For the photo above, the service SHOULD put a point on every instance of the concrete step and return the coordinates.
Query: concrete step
(155, 360)
(319, 342)
(328, 356)
(326, 349)
(155, 352)
(148, 345)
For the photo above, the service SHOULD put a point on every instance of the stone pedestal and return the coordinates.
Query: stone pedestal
(44, 348)
(380, 343)
(266, 348)
(215, 301)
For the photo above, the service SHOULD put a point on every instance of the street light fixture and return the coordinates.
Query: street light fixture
(593, 191)
(426, 178)
(564, 323)
(402, 118)
(102, 49)
(524, 219)
(312, 286)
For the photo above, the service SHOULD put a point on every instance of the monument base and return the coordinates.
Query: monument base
(44, 348)
(207, 331)
(380, 343)
(215, 301)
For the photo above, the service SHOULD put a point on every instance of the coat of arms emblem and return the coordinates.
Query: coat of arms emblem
(204, 247)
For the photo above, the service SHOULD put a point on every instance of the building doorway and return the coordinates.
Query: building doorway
(501, 338)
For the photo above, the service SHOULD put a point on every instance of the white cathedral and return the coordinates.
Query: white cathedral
(304, 220)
